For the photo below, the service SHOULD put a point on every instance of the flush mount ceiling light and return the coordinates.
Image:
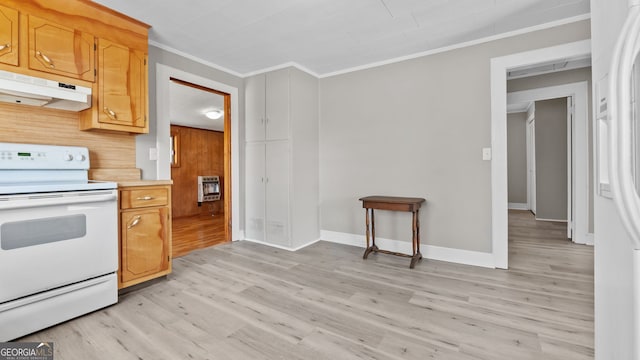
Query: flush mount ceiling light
(214, 114)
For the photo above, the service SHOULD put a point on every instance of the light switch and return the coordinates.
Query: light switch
(153, 154)
(486, 153)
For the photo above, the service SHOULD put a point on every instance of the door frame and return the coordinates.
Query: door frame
(531, 161)
(163, 166)
(577, 150)
(499, 199)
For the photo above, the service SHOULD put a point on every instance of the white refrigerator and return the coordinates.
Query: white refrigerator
(624, 143)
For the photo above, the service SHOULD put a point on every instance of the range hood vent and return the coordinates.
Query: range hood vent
(30, 90)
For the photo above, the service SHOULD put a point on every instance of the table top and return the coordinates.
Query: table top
(393, 199)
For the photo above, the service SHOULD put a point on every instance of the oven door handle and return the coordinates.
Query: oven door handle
(32, 202)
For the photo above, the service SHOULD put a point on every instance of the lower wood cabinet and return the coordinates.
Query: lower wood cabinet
(145, 233)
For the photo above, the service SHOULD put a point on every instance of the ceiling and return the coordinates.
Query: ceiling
(330, 36)
(188, 106)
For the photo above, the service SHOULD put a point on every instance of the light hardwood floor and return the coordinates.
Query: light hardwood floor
(246, 301)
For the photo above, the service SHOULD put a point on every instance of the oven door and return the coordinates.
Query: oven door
(55, 239)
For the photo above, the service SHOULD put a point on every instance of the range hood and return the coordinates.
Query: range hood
(30, 90)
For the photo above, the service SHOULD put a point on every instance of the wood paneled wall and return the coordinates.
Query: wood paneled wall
(33, 125)
(201, 153)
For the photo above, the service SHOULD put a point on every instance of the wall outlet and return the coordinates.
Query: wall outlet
(486, 153)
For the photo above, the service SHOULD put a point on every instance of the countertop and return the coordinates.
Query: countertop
(128, 183)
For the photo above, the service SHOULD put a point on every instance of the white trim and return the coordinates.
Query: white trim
(518, 206)
(544, 26)
(577, 150)
(283, 66)
(539, 27)
(194, 58)
(551, 220)
(282, 247)
(499, 67)
(459, 256)
(163, 99)
(590, 239)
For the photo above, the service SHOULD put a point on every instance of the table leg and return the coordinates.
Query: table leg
(373, 230)
(370, 232)
(416, 240)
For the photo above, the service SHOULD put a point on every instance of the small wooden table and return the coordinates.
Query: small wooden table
(393, 203)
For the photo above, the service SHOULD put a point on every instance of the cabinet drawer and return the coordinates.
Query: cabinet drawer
(143, 197)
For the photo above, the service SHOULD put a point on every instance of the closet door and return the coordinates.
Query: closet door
(277, 193)
(255, 191)
(277, 105)
(254, 92)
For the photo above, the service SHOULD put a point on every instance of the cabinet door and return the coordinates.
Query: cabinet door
(254, 191)
(254, 93)
(8, 36)
(277, 193)
(277, 105)
(61, 50)
(145, 243)
(122, 85)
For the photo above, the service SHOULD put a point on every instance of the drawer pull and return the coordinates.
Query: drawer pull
(112, 114)
(46, 59)
(5, 46)
(135, 222)
(145, 198)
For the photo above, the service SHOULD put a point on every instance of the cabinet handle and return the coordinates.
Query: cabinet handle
(5, 46)
(135, 222)
(112, 114)
(46, 59)
(145, 198)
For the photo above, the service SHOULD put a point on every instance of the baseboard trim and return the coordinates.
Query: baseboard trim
(288, 248)
(552, 220)
(590, 239)
(466, 257)
(518, 206)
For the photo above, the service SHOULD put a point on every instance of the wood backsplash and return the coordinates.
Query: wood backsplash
(33, 125)
(201, 153)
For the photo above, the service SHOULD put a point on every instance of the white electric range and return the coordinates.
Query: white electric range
(58, 238)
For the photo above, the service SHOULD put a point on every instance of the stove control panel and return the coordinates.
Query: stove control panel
(43, 157)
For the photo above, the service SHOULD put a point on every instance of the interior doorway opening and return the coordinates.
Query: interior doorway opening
(200, 139)
(540, 137)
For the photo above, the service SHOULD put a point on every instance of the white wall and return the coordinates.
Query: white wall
(417, 128)
(614, 282)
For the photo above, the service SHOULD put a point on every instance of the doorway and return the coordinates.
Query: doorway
(231, 185)
(499, 68)
(540, 139)
(199, 150)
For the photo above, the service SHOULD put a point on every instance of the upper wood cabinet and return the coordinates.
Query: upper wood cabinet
(120, 102)
(82, 43)
(122, 84)
(61, 50)
(8, 36)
